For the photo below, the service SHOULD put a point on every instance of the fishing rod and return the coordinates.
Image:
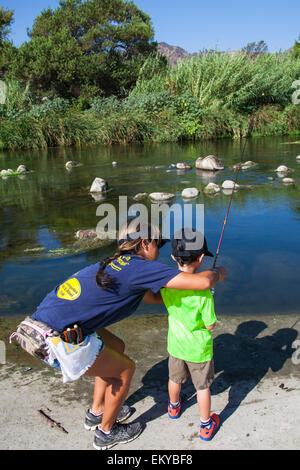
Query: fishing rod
(238, 168)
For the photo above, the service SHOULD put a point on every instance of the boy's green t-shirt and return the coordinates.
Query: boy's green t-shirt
(189, 312)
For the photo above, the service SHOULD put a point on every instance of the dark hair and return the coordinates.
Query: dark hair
(186, 260)
(130, 247)
(104, 280)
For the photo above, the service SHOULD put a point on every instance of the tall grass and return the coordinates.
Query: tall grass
(238, 82)
(208, 96)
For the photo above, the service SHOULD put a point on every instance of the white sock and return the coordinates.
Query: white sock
(105, 432)
(175, 404)
(94, 414)
(205, 423)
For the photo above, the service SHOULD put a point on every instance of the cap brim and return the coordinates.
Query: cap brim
(208, 253)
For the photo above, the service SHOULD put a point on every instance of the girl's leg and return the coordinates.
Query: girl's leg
(174, 392)
(113, 372)
(204, 403)
(118, 345)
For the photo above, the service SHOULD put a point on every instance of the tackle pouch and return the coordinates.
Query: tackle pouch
(31, 336)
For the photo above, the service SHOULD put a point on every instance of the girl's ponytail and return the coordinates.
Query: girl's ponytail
(127, 247)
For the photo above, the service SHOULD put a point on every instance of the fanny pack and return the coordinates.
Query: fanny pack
(31, 336)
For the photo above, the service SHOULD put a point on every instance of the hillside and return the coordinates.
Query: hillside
(174, 53)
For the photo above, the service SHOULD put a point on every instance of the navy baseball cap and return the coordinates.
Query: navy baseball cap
(187, 242)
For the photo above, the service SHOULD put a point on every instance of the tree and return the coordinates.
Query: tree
(6, 47)
(296, 49)
(255, 48)
(6, 19)
(95, 45)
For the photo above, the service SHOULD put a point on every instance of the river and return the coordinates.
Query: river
(45, 208)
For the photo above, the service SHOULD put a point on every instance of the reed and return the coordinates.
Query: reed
(238, 82)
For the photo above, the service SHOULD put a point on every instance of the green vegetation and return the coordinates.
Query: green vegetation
(85, 48)
(90, 74)
(296, 49)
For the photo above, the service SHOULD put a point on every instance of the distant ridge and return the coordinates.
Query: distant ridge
(174, 53)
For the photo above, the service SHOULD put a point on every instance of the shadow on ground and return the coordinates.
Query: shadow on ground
(241, 360)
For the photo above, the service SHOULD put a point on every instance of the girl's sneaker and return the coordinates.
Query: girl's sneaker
(208, 432)
(92, 421)
(119, 434)
(174, 410)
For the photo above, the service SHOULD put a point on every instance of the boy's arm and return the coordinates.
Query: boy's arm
(153, 299)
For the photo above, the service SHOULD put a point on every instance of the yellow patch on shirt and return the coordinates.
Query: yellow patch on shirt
(69, 290)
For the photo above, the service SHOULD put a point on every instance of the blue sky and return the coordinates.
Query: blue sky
(196, 24)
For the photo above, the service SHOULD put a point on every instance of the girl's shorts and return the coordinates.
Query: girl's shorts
(201, 373)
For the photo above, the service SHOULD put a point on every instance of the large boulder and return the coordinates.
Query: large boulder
(99, 186)
(210, 162)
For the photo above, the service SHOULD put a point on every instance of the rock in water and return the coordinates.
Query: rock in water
(298, 158)
(161, 197)
(22, 169)
(282, 169)
(86, 235)
(190, 193)
(183, 166)
(209, 163)
(246, 165)
(71, 164)
(228, 184)
(288, 180)
(140, 196)
(212, 188)
(99, 186)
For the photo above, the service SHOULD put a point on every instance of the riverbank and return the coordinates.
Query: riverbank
(108, 126)
(256, 391)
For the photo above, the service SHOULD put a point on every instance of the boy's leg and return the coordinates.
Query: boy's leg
(174, 392)
(202, 377)
(178, 374)
(204, 403)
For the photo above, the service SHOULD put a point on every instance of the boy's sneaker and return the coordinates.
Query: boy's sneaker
(92, 421)
(174, 410)
(208, 432)
(119, 434)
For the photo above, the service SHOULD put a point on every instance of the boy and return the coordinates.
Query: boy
(191, 319)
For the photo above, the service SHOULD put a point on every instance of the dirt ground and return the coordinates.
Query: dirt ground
(255, 392)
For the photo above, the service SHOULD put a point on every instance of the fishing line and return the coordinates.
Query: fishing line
(238, 168)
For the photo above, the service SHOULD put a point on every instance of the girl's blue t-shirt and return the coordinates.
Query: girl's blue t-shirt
(80, 301)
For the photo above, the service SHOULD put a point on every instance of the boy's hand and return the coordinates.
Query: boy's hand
(222, 273)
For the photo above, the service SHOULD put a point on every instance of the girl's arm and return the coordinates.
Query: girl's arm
(153, 299)
(198, 281)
